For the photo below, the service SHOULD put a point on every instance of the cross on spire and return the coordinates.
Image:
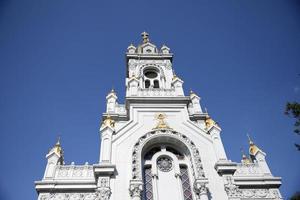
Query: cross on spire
(145, 37)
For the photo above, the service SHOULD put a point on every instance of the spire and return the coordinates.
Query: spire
(57, 148)
(145, 37)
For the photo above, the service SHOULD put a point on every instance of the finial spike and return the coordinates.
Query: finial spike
(249, 139)
(58, 141)
(112, 89)
(206, 111)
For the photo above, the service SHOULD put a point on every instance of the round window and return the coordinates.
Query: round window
(150, 74)
(165, 163)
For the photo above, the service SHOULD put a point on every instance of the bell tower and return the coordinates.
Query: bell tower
(150, 72)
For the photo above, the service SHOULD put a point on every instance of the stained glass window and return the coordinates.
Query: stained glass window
(148, 191)
(186, 187)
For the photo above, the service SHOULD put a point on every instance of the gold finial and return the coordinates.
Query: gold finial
(174, 75)
(253, 149)
(161, 122)
(145, 37)
(108, 122)
(209, 122)
(57, 147)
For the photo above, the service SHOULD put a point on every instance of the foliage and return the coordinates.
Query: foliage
(293, 109)
(296, 196)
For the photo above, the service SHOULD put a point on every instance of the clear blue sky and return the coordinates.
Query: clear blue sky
(59, 58)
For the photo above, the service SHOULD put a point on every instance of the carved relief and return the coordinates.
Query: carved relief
(249, 169)
(103, 190)
(150, 64)
(136, 189)
(102, 194)
(71, 171)
(69, 196)
(234, 191)
(156, 92)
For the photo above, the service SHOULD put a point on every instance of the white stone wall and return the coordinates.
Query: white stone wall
(142, 121)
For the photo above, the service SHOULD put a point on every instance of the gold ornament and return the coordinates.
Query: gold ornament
(108, 122)
(161, 122)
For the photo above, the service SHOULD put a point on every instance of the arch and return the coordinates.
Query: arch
(154, 137)
(156, 67)
(156, 83)
(147, 83)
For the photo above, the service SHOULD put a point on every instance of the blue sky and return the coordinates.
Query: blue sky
(59, 58)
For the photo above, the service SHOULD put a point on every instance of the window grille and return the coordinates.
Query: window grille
(148, 191)
(186, 187)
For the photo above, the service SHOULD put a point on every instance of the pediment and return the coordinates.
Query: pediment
(148, 48)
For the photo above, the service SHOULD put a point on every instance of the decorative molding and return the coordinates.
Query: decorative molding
(196, 165)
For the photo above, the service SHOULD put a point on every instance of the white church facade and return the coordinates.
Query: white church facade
(159, 145)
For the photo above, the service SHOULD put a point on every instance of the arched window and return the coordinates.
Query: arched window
(152, 77)
(147, 83)
(164, 165)
(156, 84)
